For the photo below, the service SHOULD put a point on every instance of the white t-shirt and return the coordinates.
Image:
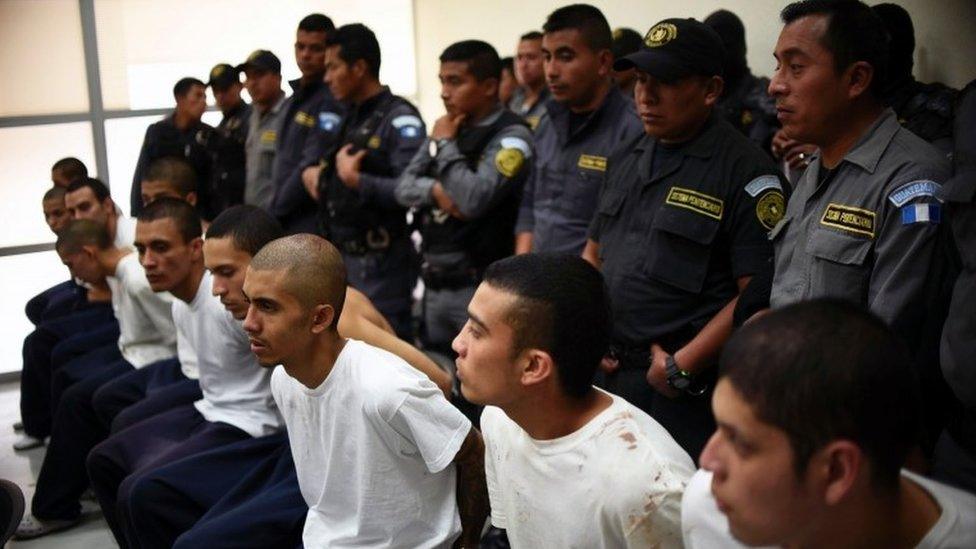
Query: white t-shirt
(146, 330)
(125, 230)
(616, 482)
(236, 389)
(373, 447)
(705, 527)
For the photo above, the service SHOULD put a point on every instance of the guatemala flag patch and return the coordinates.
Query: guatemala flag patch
(921, 213)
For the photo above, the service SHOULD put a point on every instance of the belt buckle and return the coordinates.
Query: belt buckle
(378, 239)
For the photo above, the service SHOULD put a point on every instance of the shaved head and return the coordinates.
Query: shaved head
(311, 267)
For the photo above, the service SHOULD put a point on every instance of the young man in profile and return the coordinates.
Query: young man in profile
(567, 464)
(817, 408)
(382, 457)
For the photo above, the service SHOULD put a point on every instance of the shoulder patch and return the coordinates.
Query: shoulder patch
(304, 119)
(921, 213)
(329, 121)
(406, 120)
(910, 191)
(762, 183)
(770, 209)
(695, 201)
(509, 162)
(849, 219)
(516, 143)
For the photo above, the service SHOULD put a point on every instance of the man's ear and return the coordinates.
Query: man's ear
(606, 62)
(191, 198)
(713, 90)
(859, 77)
(837, 468)
(360, 69)
(537, 367)
(489, 88)
(322, 318)
(196, 248)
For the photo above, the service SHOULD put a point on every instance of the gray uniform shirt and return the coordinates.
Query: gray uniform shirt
(869, 232)
(506, 160)
(262, 136)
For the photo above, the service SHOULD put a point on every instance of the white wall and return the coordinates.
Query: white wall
(945, 51)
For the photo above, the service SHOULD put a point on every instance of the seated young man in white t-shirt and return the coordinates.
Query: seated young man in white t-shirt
(817, 408)
(237, 402)
(382, 458)
(568, 465)
(247, 490)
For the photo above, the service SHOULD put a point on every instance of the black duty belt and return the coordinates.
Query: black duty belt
(453, 279)
(377, 239)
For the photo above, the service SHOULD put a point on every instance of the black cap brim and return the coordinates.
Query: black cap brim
(658, 64)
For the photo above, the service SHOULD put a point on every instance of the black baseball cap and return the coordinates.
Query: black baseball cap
(676, 48)
(262, 60)
(222, 75)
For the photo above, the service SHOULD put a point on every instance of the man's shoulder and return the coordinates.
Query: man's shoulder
(381, 376)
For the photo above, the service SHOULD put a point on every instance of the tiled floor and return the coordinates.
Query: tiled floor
(22, 468)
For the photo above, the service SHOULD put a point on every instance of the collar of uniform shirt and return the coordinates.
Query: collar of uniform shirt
(867, 152)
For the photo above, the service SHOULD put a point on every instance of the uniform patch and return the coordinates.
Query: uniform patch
(533, 121)
(592, 162)
(660, 34)
(746, 117)
(374, 142)
(408, 125)
(763, 183)
(304, 119)
(770, 209)
(269, 136)
(921, 213)
(516, 143)
(509, 162)
(910, 191)
(849, 219)
(329, 121)
(696, 202)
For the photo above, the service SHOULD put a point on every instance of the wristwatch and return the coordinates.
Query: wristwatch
(435, 146)
(681, 380)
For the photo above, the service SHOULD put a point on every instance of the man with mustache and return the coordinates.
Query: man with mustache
(680, 229)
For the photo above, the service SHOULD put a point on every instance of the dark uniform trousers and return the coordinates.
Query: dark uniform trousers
(247, 492)
(56, 301)
(677, 228)
(115, 464)
(71, 336)
(62, 478)
(127, 390)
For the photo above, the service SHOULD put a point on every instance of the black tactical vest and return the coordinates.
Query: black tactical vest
(488, 238)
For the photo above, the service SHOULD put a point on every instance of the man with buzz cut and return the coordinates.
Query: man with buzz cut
(356, 181)
(236, 403)
(818, 407)
(529, 98)
(247, 491)
(465, 186)
(567, 464)
(382, 457)
(586, 120)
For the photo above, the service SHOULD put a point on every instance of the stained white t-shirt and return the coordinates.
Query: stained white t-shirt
(616, 482)
(373, 447)
(146, 330)
(236, 389)
(705, 527)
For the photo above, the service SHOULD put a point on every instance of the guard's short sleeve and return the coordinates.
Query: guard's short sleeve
(756, 207)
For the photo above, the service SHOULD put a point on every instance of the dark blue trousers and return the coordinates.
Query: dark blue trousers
(164, 399)
(60, 299)
(87, 365)
(246, 492)
(115, 464)
(120, 393)
(71, 334)
(76, 429)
